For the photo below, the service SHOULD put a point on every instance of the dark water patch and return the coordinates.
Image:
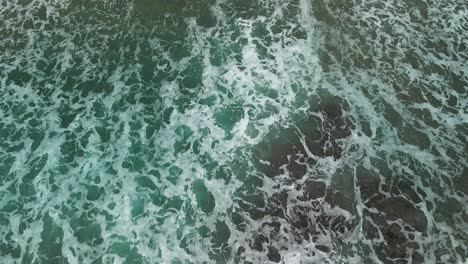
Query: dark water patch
(205, 199)
(334, 126)
(285, 154)
(288, 149)
(50, 249)
(398, 208)
(460, 183)
(314, 189)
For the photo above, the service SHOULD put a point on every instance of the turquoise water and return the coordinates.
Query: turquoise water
(215, 131)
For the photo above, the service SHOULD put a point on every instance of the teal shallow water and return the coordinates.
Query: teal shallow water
(212, 131)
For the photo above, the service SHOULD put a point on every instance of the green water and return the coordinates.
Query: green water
(215, 131)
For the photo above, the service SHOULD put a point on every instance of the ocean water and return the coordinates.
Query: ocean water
(233, 131)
